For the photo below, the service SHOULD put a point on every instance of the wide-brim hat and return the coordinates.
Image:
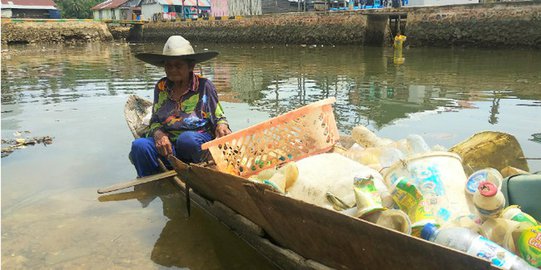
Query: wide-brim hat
(176, 48)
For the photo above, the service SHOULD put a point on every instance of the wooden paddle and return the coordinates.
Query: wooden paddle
(138, 181)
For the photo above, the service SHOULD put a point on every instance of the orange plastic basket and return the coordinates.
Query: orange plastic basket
(300, 133)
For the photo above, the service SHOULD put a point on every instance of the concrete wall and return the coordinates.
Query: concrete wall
(244, 7)
(482, 25)
(219, 8)
(501, 25)
(147, 11)
(55, 32)
(516, 24)
(291, 28)
(415, 3)
(6, 13)
(107, 14)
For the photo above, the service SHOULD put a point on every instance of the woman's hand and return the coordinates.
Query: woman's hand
(163, 144)
(222, 130)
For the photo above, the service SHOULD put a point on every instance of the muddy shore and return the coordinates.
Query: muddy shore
(502, 25)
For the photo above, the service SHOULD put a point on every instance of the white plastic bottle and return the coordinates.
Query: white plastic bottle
(488, 200)
(487, 174)
(474, 244)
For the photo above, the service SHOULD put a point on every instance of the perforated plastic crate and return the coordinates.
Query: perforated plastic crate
(303, 132)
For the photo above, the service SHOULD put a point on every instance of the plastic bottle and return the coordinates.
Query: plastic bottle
(389, 155)
(529, 245)
(497, 229)
(488, 174)
(474, 244)
(488, 200)
(366, 138)
(417, 144)
(513, 212)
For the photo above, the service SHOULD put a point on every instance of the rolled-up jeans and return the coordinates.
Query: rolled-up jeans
(187, 148)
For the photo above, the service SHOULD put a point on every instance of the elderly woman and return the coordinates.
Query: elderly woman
(186, 111)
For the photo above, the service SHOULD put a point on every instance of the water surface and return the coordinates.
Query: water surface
(51, 215)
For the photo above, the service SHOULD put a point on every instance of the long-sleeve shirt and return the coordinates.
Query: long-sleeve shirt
(197, 110)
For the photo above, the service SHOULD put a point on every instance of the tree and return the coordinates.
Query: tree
(80, 9)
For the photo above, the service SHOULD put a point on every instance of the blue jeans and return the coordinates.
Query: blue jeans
(187, 148)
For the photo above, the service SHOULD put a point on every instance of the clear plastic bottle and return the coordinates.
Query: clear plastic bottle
(417, 144)
(474, 244)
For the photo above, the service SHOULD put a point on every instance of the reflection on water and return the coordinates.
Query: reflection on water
(51, 216)
(192, 241)
(370, 89)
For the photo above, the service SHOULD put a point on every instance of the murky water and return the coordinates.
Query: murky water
(51, 214)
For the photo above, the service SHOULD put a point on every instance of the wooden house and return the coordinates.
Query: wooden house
(29, 9)
(109, 10)
(173, 9)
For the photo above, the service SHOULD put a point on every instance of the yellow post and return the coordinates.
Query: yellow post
(398, 45)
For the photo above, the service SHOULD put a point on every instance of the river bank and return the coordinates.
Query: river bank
(495, 25)
(73, 31)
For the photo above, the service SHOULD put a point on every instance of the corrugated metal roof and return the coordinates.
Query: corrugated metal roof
(202, 3)
(131, 3)
(29, 4)
(109, 4)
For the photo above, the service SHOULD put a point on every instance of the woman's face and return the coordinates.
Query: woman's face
(178, 70)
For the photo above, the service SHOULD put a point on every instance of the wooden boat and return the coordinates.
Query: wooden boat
(135, 111)
(298, 235)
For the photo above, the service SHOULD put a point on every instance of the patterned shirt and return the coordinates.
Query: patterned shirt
(197, 110)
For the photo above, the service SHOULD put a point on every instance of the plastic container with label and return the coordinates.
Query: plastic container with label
(513, 212)
(440, 177)
(488, 200)
(487, 174)
(474, 244)
(529, 245)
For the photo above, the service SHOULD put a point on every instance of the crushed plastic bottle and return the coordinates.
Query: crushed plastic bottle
(366, 138)
(374, 157)
(498, 231)
(389, 155)
(464, 240)
(410, 200)
(513, 212)
(417, 144)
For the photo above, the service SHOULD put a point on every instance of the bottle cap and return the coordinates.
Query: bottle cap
(473, 181)
(428, 230)
(487, 189)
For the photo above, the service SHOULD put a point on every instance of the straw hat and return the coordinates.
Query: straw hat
(176, 47)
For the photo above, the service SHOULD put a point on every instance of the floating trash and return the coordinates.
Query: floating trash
(19, 143)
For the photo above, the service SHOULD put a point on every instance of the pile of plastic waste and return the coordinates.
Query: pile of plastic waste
(415, 189)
